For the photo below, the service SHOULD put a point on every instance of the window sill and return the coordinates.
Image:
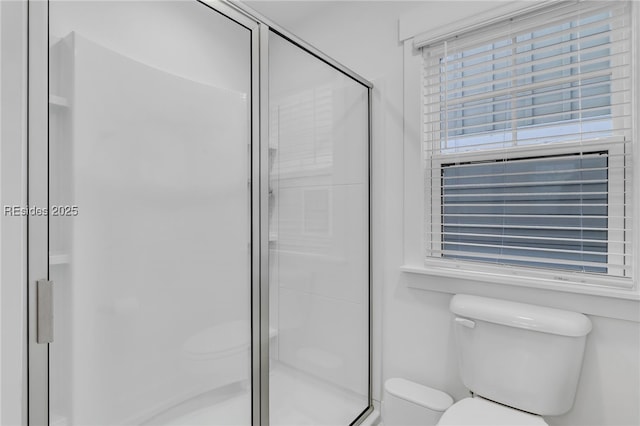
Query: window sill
(605, 302)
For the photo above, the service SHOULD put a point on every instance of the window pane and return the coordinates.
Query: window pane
(525, 212)
(547, 85)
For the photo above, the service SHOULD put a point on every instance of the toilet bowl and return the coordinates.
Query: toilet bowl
(406, 403)
(478, 411)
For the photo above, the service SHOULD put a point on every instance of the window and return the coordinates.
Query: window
(527, 141)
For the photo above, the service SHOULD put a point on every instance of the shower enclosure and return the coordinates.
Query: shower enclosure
(205, 254)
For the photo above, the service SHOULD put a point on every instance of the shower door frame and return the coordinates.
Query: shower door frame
(37, 187)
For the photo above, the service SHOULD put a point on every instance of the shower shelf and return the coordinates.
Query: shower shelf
(58, 101)
(59, 258)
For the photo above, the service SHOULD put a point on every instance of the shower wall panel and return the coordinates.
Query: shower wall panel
(152, 275)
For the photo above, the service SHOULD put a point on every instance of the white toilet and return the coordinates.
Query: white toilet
(520, 362)
(406, 403)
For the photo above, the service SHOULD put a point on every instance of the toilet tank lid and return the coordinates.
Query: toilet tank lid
(416, 393)
(521, 315)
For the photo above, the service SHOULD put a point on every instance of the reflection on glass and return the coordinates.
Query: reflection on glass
(319, 240)
(149, 139)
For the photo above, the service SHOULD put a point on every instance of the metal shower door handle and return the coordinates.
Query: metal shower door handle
(44, 311)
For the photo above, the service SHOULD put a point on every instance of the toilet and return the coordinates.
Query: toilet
(519, 361)
(406, 403)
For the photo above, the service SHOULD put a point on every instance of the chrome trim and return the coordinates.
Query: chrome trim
(256, 375)
(362, 417)
(365, 414)
(38, 196)
(370, 242)
(264, 225)
(281, 31)
(226, 9)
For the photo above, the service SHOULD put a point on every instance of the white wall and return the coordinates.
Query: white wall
(416, 340)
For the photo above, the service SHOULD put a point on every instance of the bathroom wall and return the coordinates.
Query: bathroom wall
(412, 326)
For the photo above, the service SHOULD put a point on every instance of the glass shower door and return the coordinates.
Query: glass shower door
(150, 220)
(319, 240)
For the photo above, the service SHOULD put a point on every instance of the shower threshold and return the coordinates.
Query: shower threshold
(297, 399)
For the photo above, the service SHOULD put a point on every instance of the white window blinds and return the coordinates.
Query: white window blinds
(527, 129)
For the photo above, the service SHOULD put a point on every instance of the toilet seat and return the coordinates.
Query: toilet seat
(480, 412)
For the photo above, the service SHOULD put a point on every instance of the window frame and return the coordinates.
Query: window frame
(614, 232)
(429, 199)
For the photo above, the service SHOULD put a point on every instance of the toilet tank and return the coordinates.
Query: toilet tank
(525, 356)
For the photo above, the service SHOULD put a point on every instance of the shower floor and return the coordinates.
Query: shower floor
(297, 399)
